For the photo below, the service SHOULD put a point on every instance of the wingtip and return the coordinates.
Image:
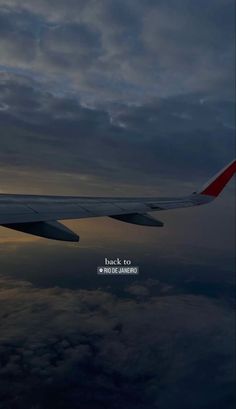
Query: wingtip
(219, 181)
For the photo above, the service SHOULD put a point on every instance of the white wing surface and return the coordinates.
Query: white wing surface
(38, 215)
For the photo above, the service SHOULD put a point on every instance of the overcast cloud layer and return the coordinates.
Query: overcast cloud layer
(179, 137)
(121, 50)
(92, 349)
(117, 89)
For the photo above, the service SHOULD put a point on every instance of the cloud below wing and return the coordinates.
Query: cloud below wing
(53, 337)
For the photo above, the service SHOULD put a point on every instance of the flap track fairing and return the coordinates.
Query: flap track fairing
(50, 230)
(139, 219)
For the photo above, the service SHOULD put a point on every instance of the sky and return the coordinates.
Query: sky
(118, 98)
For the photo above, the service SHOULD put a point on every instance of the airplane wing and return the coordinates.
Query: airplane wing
(39, 215)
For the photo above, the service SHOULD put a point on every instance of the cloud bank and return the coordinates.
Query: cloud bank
(122, 50)
(44, 131)
(91, 348)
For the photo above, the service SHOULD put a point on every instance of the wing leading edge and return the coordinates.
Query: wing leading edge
(38, 215)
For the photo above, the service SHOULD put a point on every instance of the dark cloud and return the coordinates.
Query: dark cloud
(92, 348)
(45, 130)
(71, 46)
(123, 50)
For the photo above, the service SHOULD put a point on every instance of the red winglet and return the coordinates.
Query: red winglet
(218, 182)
